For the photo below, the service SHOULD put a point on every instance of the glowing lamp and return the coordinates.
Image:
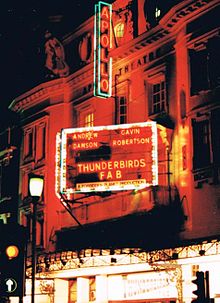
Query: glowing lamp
(36, 186)
(12, 251)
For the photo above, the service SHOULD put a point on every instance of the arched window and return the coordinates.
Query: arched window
(119, 30)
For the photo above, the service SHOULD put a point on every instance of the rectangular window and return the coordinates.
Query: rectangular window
(198, 70)
(201, 144)
(28, 143)
(89, 119)
(85, 115)
(122, 109)
(40, 141)
(158, 97)
(206, 147)
(156, 92)
(205, 65)
(213, 47)
(25, 183)
(122, 101)
(34, 141)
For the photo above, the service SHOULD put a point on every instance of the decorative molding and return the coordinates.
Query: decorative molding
(37, 95)
(175, 17)
(51, 262)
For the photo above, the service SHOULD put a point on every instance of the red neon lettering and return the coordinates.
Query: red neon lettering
(104, 41)
(104, 57)
(105, 12)
(104, 26)
(104, 85)
(103, 70)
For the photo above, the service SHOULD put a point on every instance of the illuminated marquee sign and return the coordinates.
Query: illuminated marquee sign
(108, 158)
(102, 44)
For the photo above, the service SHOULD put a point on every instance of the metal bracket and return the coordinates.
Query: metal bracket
(67, 205)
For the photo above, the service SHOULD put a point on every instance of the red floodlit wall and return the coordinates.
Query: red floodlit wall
(157, 57)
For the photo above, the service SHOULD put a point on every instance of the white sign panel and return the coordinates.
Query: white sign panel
(153, 285)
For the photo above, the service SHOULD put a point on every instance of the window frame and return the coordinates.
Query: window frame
(35, 151)
(83, 111)
(158, 97)
(28, 147)
(122, 102)
(89, 119)
(202, 55)
(41, 135)
(201, 128)
(153, 78)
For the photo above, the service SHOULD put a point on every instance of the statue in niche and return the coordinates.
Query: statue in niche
(55, 57)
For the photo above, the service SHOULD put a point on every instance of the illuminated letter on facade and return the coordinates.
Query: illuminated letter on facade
(102, 44)
(108, 158)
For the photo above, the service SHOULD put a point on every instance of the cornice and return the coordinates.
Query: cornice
(185, 12)
(37, 95)
(139, 43)
(46, 91)
(180, 14)
(174, 20)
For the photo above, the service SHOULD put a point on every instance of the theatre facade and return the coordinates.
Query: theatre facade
(125, 134)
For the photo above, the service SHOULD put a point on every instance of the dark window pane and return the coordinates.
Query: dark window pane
(199, 71)
(201, 144)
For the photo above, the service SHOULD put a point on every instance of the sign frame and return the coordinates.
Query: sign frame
(103, 186)
(102, 44)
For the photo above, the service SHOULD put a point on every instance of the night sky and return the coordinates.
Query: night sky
(22, 27)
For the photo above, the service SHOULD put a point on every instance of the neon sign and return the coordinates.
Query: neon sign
(102, 44)
(108, 158)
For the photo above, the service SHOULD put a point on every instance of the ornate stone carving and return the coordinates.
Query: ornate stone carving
(55, 57)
